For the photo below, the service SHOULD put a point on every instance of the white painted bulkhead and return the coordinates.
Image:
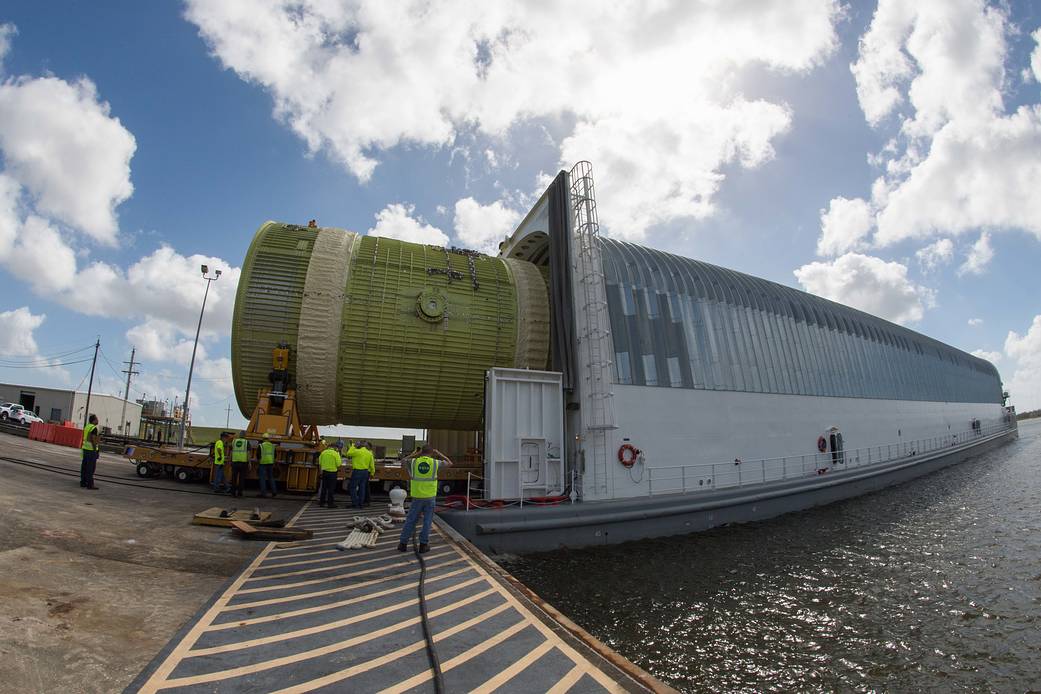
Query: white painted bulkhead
(684, 427)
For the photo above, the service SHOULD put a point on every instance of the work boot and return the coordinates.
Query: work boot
(402, 547)
(423, 548)
(321, 504)
(331, 505)
(92, 488)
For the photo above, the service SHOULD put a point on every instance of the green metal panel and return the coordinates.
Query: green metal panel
(267, 305)
(420, 326)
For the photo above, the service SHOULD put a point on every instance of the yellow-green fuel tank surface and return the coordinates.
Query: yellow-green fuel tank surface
(383, 332)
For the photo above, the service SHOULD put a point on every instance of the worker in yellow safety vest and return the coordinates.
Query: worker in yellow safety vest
(363, 465)
(220, 482)
(239, 463)
(266, 467)
(91, 446)
(329, 462)
(422, 472)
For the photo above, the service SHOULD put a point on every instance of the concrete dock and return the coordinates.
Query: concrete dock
(304, 616)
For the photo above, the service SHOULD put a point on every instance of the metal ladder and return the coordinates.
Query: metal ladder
(593, 325)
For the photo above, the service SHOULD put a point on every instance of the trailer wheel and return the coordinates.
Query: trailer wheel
(446, 487)
(198, 475)
(143, 470)
(183, 474)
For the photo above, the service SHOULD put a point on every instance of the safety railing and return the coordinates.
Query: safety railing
(677, 479)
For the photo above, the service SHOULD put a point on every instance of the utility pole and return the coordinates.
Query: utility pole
(90, 386)
(227, 420)
(126, 396)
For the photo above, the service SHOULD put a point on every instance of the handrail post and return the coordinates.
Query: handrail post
(683, 478)
(468, 490)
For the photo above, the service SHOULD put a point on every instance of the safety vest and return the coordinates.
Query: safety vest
(87, 431)
(218, 452)
(239, 450)
(362, 459)
(329, 460)
(424, 478)
(267, 453)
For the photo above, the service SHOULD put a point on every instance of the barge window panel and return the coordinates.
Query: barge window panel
(622, 368)
(650, 370)
(675, 375)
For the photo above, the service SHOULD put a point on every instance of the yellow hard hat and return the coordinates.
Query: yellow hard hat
(267, 435)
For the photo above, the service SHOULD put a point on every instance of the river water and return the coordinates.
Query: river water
(933, 585)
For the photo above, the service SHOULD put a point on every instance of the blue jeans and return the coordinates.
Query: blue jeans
(218, 479)
(426, 507)
(359, 481)
(266, 477)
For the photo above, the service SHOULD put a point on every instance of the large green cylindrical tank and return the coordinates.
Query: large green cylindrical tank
(383, 332)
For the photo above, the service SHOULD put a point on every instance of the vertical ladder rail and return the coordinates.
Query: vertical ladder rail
(594, 333)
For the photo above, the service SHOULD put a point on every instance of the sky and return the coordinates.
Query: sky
(885, 155)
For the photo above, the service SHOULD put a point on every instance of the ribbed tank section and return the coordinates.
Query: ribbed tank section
(409, 329)
(267, 305)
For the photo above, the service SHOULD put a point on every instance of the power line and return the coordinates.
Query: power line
(43, 357)
(45, 366)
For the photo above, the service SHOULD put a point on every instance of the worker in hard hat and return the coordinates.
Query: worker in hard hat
(363, 464)
(266, 467)
(220, 484)
(329, 462)
(239, 463)
(422, 471)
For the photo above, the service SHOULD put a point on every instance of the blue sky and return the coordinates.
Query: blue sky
(883, 155)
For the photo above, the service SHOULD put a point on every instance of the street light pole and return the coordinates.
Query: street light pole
(191, 367)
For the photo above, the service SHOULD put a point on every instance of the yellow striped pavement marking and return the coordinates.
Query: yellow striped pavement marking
(325, 650)
(504, 676)
(340, 603)
(346, 564)
(457, 660)
(389, 657)
(568, 681)
(340, 589)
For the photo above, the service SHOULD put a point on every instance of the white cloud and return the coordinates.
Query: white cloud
(933, 72)
(975, 322)
(6, 32)
(160, 340)
(844, 225)
(72, 158)
(938, 253)
(1035, 57)
(482, 227)
(870, 284)
(1024, 385)
(992, 357)
(40, 257)
(354, 80)
(396, 221)
(978, 257)
(16, 332)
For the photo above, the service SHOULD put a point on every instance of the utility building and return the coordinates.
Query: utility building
(57, 405)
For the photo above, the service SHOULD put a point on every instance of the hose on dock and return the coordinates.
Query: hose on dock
(435, 662)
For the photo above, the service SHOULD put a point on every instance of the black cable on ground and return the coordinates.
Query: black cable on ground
(106, 478)
(435, 662)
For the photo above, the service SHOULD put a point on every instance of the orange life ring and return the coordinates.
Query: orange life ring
(822, 444)
(624, 456)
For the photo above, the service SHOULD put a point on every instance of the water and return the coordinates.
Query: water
(934, 585)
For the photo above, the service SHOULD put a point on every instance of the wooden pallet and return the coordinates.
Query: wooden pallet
(212, 516)
(254, 533)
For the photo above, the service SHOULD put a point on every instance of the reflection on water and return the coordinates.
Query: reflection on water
(932, 585)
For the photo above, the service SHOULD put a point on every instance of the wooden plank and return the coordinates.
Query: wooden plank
(211, 516)
(254, 533)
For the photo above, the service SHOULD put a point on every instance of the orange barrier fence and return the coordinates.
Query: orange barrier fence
(56, 434)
